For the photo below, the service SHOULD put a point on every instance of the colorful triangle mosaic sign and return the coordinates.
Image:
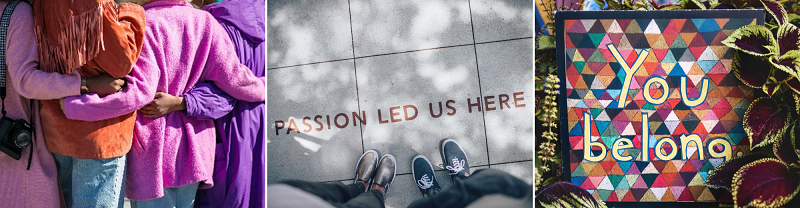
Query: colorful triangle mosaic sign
(654, 93)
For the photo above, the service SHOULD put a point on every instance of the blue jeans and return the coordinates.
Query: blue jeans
(180, 197)
(91, 182)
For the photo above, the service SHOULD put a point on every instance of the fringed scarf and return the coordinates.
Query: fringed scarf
(69, 33)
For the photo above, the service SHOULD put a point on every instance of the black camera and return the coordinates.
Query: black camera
(15, 135)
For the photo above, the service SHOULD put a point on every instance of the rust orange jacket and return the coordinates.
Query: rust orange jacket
(93, 37)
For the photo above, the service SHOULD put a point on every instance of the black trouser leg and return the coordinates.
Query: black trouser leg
(333, 192)
(341, 195)
(369, 199)
(481, 183)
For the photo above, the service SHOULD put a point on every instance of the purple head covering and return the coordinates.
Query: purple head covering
(245, 15)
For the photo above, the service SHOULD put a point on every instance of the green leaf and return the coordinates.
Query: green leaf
(628, 3)
(687, 4)
(794, 17)
(541, 115)
(771, 26)
(792, 55)
(565, 194)
(639, 5)
(699, 4)
(752, 39)
(549, 181)
(613, 4)
(539, 85)
(600, 3)
(545, 42)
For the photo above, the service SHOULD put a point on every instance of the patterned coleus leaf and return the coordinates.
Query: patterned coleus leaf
(752, 39)
(784, 146)
(776, 10)
(787, 65)
(750, 69)
(780, 76)
(665, 6)
(794, 84)
(764, 183)
(764, 121)
(565, 194)
(788, 38)
(722, 175)
(742, 3)
(775, 81)
(771, 88)
(724, 6)
(701, 4)
(795, 202)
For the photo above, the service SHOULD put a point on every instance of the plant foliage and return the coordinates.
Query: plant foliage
(767, 58)
(564, 194)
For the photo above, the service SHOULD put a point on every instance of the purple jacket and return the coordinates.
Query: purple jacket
(188, 47)
(239, 168)
(208, 102)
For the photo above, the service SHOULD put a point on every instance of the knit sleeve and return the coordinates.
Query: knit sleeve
(140, 90)
(23, 62)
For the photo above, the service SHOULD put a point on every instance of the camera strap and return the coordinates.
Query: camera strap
(5, 20)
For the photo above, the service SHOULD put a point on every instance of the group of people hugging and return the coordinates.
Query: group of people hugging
(157, 101)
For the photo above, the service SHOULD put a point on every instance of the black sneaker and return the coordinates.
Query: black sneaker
(386, 172)
(455, 160)
(366, 167)
(424, 176)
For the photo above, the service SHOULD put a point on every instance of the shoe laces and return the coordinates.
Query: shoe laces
(458, 166)
(425, 182)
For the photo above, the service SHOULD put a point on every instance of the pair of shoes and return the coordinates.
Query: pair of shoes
(455, 161)
(374, 172)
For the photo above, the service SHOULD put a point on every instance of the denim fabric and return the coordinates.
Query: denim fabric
(340, 195)
(91, 182)
(180, 197)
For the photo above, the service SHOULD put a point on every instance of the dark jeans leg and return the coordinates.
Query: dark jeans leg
(333, 192)
(369, 199)
(480, 183)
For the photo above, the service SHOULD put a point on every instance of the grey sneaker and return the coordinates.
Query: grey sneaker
(455, 160)
(366, 167)
(424, 176)
(386, 172)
